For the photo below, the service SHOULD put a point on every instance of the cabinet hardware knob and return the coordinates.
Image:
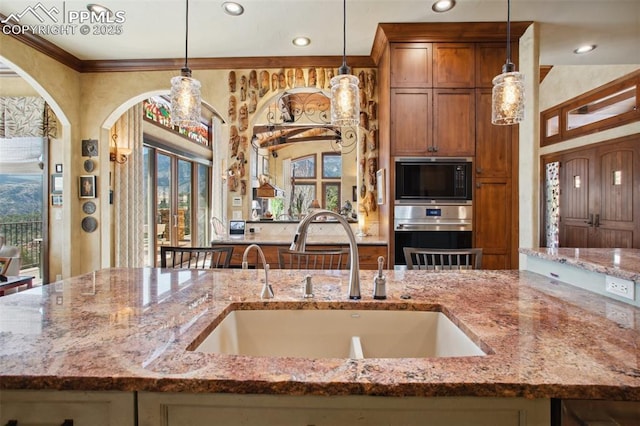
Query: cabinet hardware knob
(478, 185)
(479, 169)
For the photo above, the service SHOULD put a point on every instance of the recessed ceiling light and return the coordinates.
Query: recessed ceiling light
(443, 6)
(232, 8)
(98, 8)
(301, 41)
(584, 49)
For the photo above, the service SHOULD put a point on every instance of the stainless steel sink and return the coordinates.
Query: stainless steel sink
(339, 334)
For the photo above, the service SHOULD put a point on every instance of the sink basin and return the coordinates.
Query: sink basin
(338, 334)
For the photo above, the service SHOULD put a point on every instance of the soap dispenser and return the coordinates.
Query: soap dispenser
(380, 282)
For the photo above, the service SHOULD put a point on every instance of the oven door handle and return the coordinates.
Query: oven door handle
(448, 226)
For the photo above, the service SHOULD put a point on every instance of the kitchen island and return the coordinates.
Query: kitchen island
(127, 331)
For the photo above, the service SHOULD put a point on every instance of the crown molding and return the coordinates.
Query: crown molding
(429, 32)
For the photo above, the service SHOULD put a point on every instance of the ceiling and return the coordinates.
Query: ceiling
(156, 29)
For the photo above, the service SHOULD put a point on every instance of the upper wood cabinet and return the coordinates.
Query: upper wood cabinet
(411, 121)
(490, 57)
(454, 116)
(411, 65)
(493, 143)
(453, 65)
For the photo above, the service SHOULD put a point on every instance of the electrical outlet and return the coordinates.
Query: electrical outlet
(620, 287)
(620, 315)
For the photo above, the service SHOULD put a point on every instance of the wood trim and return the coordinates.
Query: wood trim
(544, 70)
(443, 32)
(627, 81)
(43, 46)
(130, 65)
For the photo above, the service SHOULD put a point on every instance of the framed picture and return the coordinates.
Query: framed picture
(380, 186)
(87, 186)
(58, 168)
(56, 183)
(56, 200)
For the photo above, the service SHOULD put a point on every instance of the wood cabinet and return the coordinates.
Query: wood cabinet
(492, 224)
(55, 407)
(442, 108)
(495, 205)
(490, 57)
(367, 254)
(411, 121)
(433, 122)
(493, 143)
(454, 65)
(454, 123)
(411, 65)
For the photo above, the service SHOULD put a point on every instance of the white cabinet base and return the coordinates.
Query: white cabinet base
(54, 407)
(208, 409)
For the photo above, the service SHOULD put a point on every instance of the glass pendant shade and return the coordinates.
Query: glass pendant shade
(507, 100)
(185, 100)
(345, 100)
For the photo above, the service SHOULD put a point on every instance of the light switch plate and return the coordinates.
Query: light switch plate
(620, 287)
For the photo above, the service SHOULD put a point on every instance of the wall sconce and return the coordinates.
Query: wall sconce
(119, 155)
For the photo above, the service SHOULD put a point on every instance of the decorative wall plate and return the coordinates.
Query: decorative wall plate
(89, 207)
(88, 165)
(89, 224)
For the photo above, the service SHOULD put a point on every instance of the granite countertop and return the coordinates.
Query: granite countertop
(128, 329)
(621, 263)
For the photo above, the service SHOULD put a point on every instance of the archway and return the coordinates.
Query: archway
(42, 244)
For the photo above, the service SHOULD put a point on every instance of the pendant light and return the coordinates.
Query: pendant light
(185, 91)
(345, 99)
(507, 100)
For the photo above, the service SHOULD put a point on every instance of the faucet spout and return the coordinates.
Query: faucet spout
(267, 290)
(300, 240)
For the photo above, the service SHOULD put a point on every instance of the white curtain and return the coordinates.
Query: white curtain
(127, 191)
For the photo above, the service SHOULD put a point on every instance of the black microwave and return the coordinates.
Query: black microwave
(433, 179)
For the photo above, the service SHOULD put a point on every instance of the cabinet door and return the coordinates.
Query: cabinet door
(493, 143)
(453, 65)
(411, 65)
(490, 57)
(492, 222)
(54, 407)
(454, 122)
(411, 123)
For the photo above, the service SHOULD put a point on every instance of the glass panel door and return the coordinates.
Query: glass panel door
(182, 219)
(163, 200)
(203, 237)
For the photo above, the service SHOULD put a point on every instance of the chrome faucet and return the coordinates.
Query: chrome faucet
(300, 240)
(267, 291)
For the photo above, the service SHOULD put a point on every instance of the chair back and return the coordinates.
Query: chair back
(313, 259)
(433, 259)
(11, 260)
(195, 257)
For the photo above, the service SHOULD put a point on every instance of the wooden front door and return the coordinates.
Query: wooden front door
(598, 204)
